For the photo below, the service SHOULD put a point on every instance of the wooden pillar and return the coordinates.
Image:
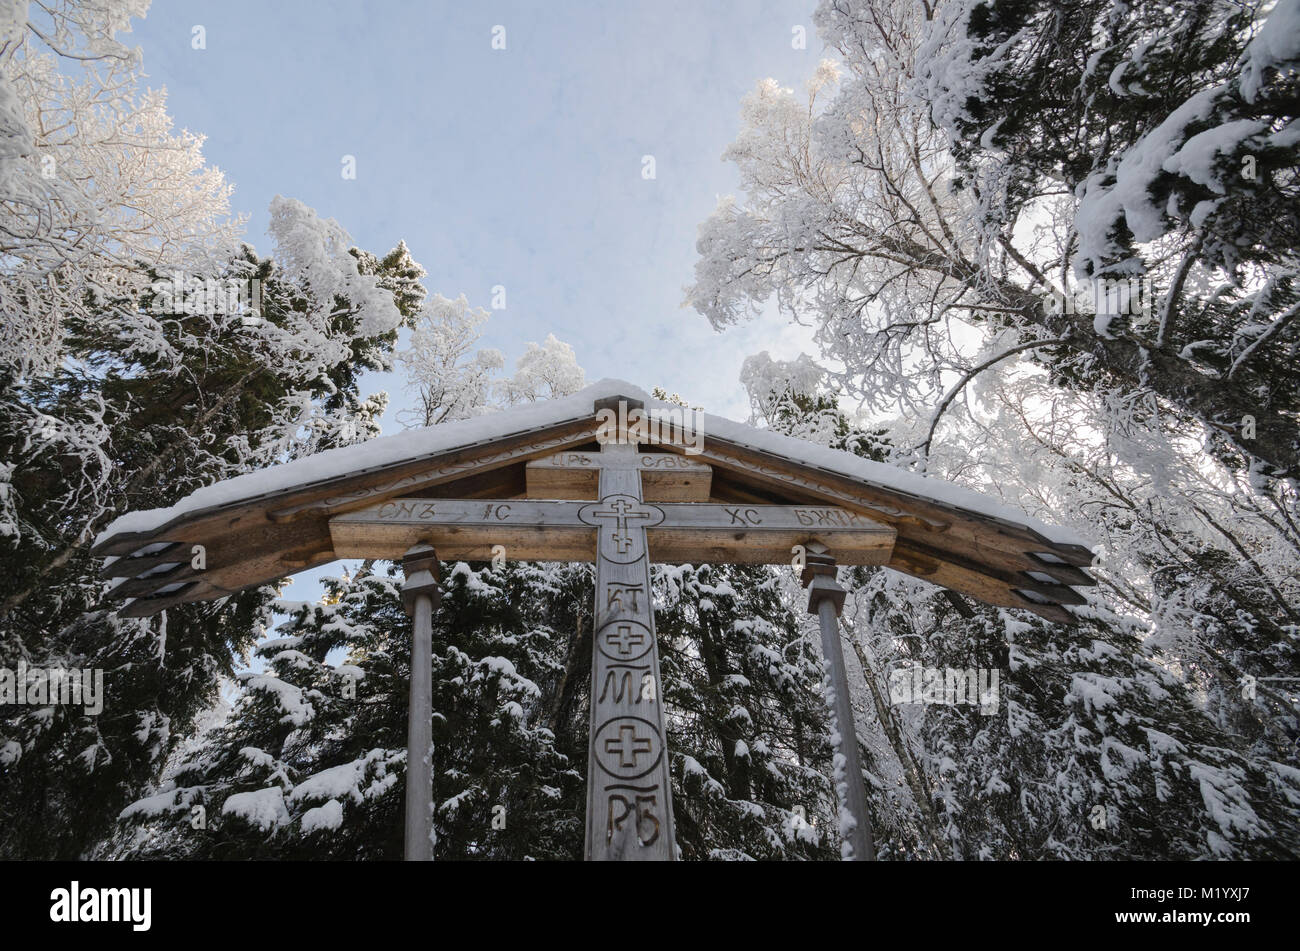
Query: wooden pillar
(420, 596)
(826, 600)
(629, 806)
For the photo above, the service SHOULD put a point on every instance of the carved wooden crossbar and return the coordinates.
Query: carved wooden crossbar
(545, 530)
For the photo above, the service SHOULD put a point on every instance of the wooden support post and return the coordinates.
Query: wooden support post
(826, 600)
(420, 596)
(629, 805)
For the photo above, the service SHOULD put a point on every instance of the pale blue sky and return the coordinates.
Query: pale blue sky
(519, 167)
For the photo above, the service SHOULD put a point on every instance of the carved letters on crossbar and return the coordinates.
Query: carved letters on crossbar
(547, 530)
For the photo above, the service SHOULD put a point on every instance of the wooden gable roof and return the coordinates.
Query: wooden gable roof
(260, 527)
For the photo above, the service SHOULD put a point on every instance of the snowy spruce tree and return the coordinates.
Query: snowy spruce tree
(747, 725)
(311, 761)
(1163, 135)
(131, 373)
(155, 396)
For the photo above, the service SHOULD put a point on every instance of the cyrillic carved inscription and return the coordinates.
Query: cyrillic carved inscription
(831, 517)
(638, 803)
(624, 597)
(669, 461)
(624, 683)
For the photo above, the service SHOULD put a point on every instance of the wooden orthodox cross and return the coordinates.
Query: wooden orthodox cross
(566, 489)
(629, 802)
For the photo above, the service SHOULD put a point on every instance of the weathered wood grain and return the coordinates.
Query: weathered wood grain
(629, 794)
(545, 530)
(665, 477)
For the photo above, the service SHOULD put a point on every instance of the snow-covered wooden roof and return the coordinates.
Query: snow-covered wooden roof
(264, 525)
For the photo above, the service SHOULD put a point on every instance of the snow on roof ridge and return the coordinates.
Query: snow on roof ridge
(412, 444)
(880, 474)
(380, 451)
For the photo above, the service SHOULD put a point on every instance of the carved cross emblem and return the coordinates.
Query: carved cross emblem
(624, 638)
(621, 510)
(628, 746)
(621, 521)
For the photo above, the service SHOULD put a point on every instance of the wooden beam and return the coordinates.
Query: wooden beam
(135, 566)
(536, 530)
(448, 468)
(969, 579)
(1002, 550)
(258, 554)
(665, 476)
(629, 789)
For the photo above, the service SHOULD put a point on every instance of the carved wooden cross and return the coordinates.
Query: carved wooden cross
(527, 487)
(629, 804)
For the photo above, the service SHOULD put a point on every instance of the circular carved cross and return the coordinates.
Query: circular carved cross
(627, 747)
(624, 640)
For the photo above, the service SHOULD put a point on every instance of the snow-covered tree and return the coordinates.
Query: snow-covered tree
(451, 380)
(928, 211)
(544, 372)
(1106, 730)
(1160, 138)
(747, 726)
(151, 399)
(311, 763)
(95, 186)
